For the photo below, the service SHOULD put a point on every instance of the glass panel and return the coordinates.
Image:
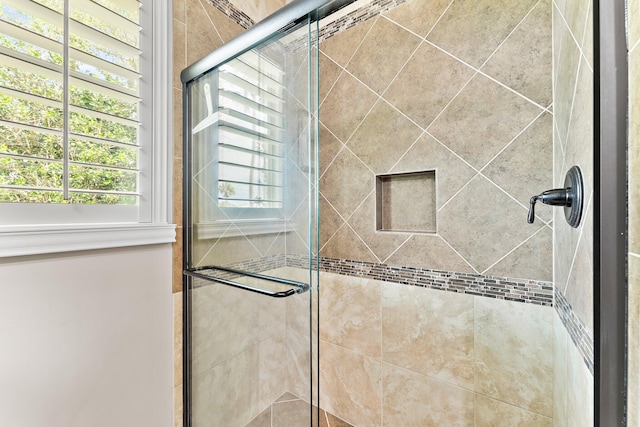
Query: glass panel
(251, 354)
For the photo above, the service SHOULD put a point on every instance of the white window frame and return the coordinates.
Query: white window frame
(39, 234)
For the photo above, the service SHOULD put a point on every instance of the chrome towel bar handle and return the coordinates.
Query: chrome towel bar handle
(296, 287)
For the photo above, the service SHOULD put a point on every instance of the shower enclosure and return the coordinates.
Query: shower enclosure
(357, 181)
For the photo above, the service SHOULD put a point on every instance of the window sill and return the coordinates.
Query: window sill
(45, 239)
(241, 227)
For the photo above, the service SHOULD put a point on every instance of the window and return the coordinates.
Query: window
(240, 107)
(250, 133)
(80, 142)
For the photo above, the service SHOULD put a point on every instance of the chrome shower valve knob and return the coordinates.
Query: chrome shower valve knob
(571, 198)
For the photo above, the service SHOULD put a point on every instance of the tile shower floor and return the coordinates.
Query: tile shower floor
(289, 411)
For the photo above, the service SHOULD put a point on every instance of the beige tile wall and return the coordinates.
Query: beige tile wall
(573, 260)
(634, 214)
(573, 125)
(573, 384)
(395, 355)
(464, 89)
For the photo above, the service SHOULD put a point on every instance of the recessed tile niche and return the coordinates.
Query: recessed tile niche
(406, 202)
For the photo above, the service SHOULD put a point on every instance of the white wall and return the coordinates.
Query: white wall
(86, 339)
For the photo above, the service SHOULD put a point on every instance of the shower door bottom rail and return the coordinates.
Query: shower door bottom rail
(295, 287)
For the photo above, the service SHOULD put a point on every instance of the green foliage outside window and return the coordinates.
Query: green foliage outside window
(90, 158)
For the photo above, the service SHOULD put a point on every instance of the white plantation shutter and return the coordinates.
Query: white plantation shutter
(70, 110)
(250, 133)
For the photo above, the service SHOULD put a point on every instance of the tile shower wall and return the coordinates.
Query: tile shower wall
(396, 355)
(633, 410)
(573, 261)
(414, 89)
(462, 88)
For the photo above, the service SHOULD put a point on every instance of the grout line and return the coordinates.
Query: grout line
(546, 222)
(568, 28)
(520, 133)
(580, 238)
(299, 101)
(458, 192)
(556, 133)
(364, 119)
(398, 248)
(406, 151)
(451, 151)
(339, 214)
(514, 249)
(404, 64)
(486, 61)
(358, 157)
(555, 53)
(436, 379)
(381, 97)
(365, 243)
(346, 64)
(344, 221)
(439, 18)
(523, 408)
(459, 254)
(515, 92)
(513, 198)
(451, 55)
(403, 27)
(323, 173)
(335, 81)
(570, 119)
(585, 22)
(211, 21)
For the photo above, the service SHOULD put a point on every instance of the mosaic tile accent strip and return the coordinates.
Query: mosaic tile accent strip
(526, 291)
(358, 16)
(579, 333)
(517, 290)
(238, 16)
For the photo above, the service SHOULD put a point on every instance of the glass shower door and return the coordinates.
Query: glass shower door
(250, 227)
